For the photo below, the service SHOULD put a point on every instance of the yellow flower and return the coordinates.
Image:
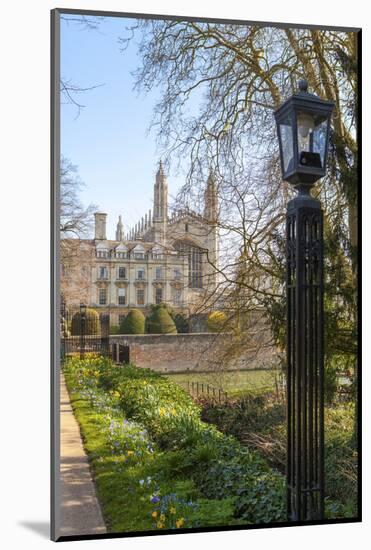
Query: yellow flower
(161, 411)
(154, 514)
(130, 453)
(160, 525)
(116, 394)
(162, 517)
(173, 411)
(172, 510)
(179, 522)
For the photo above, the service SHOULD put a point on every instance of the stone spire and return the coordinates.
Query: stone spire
(159, 219)
(119, 230)
(211, 198)
(160, 194)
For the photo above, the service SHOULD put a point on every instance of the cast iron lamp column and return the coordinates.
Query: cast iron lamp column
(82, 330)
(303, 130)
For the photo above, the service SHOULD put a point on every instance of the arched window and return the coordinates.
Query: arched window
(194, 254)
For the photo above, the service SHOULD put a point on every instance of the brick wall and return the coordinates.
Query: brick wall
(186, 352)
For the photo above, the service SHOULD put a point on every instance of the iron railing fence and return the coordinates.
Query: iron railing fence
(203, 389)
(84, 333)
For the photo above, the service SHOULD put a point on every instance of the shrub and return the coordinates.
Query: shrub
(92, 325)
(181, 322)
(64, 328)
(330, 382)
(114, 329)
(134, 323)
(216, 321)
(160, 322)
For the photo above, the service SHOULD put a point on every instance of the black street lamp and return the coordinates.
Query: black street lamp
(303, 123)
(82, 329)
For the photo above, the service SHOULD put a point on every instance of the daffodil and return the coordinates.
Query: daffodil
(172, 510)
(154, 514)
(179, 522)
(130, 453)
(160, 525)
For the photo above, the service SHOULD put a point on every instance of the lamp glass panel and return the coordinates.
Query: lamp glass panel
(312, 133)
(287, 144)
(305, 125)
(319, 140)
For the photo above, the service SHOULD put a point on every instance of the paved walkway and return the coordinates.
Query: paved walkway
(80, 510)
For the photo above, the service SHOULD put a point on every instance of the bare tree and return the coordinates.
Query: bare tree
(71, 91)
(75, 219)
(75, 224)
(236, 75)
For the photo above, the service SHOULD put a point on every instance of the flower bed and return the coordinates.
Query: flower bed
(156, 464)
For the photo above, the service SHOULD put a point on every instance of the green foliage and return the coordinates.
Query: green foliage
(181, 322)
(156, 464)
(134, 323)
(260, 423)
(114, 329)
(92, 325)
(330, 381)
(216, 322)
(159, 321)
(259, 498)
(341, 459)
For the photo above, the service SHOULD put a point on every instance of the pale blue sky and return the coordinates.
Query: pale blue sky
(108, 141)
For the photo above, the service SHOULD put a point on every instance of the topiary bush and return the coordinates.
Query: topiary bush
(160, 321)
(134, 323)
(92, 325)
(216, 321)
(181, 322)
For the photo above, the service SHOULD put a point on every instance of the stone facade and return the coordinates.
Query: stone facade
(163, 259)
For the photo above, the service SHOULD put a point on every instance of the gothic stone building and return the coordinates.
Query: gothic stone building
(163, 259)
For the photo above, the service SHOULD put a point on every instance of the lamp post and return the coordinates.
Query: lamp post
(303, 123)
(82, 329)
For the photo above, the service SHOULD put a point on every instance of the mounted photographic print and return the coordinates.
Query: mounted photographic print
(205, 206)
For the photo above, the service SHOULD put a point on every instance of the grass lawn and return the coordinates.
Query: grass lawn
(234, 383)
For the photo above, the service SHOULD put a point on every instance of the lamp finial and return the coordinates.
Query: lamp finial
(303, 85)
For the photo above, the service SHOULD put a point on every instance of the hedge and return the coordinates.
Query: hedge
(160, 322)
(134, 323)
(92, 325)
(216, 321)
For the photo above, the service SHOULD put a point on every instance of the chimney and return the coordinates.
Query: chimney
(100, 225)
